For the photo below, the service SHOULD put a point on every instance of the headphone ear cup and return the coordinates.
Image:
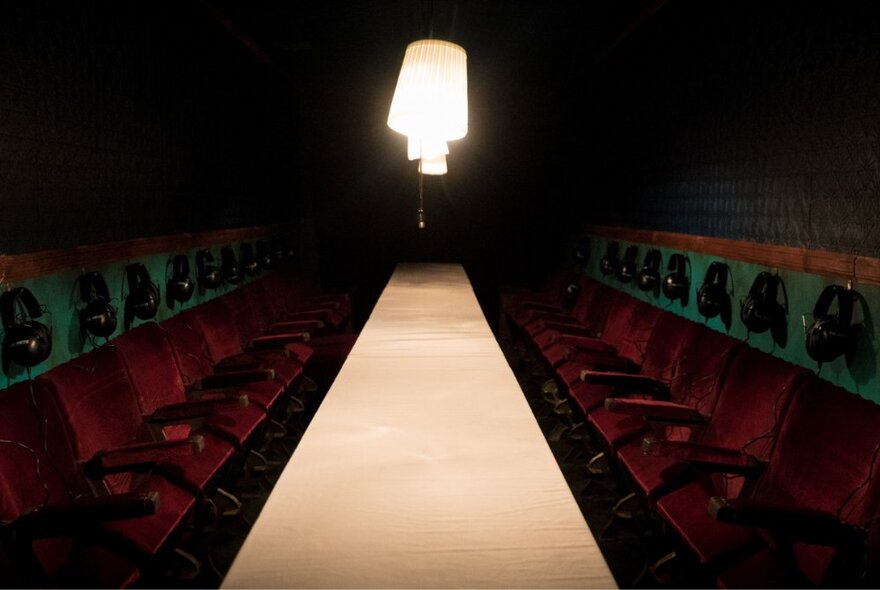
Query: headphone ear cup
(180, 289)
(829, 335)
(99, 318)
(26, 344)
(827, 339)
(607, 266)
(229, 266)
(180, 286)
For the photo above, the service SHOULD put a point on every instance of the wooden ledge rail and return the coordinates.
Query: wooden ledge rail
(862, 269)
(16, 267)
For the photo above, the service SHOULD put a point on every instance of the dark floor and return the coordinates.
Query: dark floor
(630, 545)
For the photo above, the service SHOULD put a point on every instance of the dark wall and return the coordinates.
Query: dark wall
(128, 119)
(749, 120)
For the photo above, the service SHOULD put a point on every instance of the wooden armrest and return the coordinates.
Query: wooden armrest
(234, 378)
(140, 457)
(704, 457)
(277, 340)
(625, 383)
(71, 517)
(793, 524)
(659, 410)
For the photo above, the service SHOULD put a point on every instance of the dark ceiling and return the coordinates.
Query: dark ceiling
(532, 68)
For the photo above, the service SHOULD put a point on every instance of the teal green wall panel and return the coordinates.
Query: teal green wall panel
(857, 373)
(59, 293)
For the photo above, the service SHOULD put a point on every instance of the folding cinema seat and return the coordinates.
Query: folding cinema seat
(262, 321)
(251, 316)
(740, 408)
(807, 516)
(621, 346)
(308, 292)
(671, 337)
(324, 352)
(530, 316)
(219, 320)
(591, 312)
(195, 365)
(549, 293)
(109, 436)
(153, 371)
(51, 521)
(295, 302)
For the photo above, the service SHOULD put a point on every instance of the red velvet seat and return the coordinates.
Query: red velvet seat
(229, 324)
(296, 300)
(100, 414)
(590, 313)
(820, 496)
(154, 374)
(550, 293)
(659, 367)
(325, 351)
(745, 416)
(532, 317)
(194, 362)
(698, 375)
(39, 474)
(621, 347)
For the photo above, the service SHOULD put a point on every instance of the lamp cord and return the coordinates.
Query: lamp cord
(421, 218)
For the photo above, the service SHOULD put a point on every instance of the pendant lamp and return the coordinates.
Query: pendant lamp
(430, 105)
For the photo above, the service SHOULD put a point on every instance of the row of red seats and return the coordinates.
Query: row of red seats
(113, 463)
(762, 473)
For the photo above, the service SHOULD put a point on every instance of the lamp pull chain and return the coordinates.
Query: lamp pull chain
(421, 218)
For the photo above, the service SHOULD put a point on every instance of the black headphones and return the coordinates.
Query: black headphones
(649, 276)
(143, 297)
(248, 261)
(264, 256)
(98, 317)
(25, 342)
(581, 251)
(229, 266)
(180, 286)
(712, 296)
(829, 335)
(280, 250)
(760, 310)
(209, 276)
(608, 264)
(677, 285)
(628, 268)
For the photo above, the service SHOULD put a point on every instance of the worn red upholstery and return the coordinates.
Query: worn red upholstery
(628, 329)
(152, 370)
(194, 362)
(698, 375)
(219, 321)
(591, 312)
(532, 318)
(825, 460)
(325, 352)
(670, 336)
(99, 412)
(39, 469)
(747, 414)
(513, 298)
(295, 299)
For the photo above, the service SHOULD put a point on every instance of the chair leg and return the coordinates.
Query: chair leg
(596, 465)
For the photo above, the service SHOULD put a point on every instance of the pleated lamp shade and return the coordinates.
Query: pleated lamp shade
(425, 148)
(435, 165)
(430, 100)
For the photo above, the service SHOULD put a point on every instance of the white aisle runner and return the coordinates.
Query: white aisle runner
(424, 466)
